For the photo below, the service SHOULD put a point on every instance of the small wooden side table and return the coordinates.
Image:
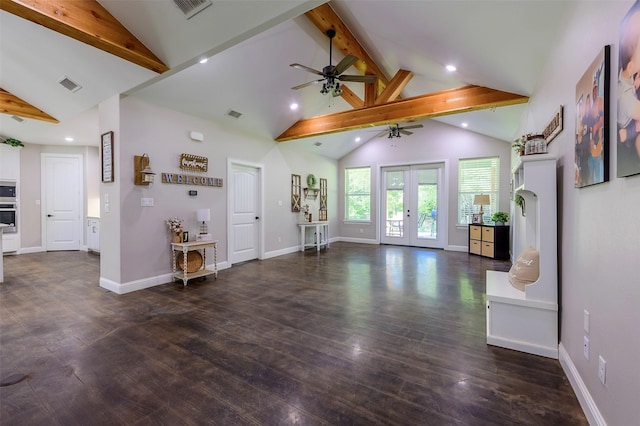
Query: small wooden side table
(185, 248)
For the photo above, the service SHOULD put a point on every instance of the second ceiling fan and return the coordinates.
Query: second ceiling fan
(332, 75)
(395, 131)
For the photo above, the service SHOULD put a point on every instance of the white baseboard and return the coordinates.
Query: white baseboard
(356, 240)
(584, 397)
(123, 288)
(27, 250)
(457, 248)
(281, 252)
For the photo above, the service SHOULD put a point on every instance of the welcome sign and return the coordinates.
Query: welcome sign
(181, 179)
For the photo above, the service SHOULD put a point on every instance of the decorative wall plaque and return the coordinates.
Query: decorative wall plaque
(194, 163)
(191, 180)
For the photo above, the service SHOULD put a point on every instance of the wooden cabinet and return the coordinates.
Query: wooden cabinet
(489, 241)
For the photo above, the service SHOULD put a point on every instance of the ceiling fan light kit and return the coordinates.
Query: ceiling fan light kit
(332, 75)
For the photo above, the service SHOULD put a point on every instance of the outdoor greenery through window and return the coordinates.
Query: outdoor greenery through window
(477, 176)
(357, 194)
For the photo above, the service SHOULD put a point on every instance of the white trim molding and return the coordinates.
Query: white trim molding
(582, 393)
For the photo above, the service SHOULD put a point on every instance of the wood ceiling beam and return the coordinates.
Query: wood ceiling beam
(351, 98)
(395, 86)
(86, 21)
(13, 105)
(324, 18)
(464, 99)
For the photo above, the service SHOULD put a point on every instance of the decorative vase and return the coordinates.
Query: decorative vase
(177, 237)
(310, 217)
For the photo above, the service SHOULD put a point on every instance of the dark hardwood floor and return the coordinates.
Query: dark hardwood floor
(358, 334)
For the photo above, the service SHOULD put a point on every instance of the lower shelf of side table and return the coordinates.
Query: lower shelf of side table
(191, 275)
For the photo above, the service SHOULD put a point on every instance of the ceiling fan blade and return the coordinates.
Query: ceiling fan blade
(306, 68)
(382, 133)
(307, 84)
(358, 78)
(345, 63)
(415, 126)
(404, 132)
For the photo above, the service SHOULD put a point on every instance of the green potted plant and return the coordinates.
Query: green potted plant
(500, 218)
(13, 142)
(519, 200)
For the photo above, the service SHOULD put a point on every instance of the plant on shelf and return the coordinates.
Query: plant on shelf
(500, 217)
(13, 142)
(518, 144)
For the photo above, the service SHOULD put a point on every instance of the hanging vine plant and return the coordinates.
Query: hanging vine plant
(13, 142)
(519, 200)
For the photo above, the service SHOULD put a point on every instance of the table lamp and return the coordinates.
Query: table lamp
(481, 200)
(204, 216)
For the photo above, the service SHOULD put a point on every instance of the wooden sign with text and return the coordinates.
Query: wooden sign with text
(194, 163)
(191, 180)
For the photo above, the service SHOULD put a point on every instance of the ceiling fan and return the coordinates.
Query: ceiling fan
(330, 74)
(395, 130)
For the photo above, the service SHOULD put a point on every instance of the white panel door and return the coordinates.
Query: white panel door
(63, 201)
(245, 196)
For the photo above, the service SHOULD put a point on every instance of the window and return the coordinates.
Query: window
(357, 190)
(477, 176)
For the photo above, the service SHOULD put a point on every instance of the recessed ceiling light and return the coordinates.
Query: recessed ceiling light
(68, 139)
(358, 139)
(465, 125)
(451, 68)
(293, 106)
(204, 60)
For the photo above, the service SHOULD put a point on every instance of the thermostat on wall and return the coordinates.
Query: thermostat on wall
(196, 136)
(193, 193)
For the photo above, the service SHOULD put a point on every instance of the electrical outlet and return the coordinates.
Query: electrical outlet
(146, 202)
(586, 321)
(602, 369)
(586, 348)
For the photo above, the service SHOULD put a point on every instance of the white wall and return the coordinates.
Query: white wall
(598, 226)
(436, 142)
(164, 134)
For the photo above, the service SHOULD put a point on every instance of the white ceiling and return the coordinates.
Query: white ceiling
(250, 44)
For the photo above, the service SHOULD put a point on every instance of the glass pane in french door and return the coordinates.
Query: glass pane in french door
(394, 181)
(427, 203)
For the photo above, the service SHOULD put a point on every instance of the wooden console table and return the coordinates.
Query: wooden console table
(321, 237)
(185, 248)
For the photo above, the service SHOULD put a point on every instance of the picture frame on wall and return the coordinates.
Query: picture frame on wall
(628, 119)
(106, 153)
(592, 123)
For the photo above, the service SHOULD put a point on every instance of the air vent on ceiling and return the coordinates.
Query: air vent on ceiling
(192, 7)
(18, 119)
(68, 84)
(234, 114)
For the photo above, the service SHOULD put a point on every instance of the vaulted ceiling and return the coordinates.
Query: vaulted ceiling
(151, 50)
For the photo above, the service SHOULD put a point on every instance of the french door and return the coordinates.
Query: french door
(412, 205)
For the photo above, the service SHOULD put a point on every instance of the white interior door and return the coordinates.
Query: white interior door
(245, 196)
(62, 207)
(411, 196)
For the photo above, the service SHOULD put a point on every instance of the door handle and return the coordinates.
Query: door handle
(49, 215)
(257, 218)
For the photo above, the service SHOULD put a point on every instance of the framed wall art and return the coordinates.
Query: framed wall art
(106, 150)
(628, 117)
(592, 123)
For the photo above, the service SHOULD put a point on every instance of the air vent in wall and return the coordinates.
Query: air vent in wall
(234, 114)
(192, 7)
(18, 119)
(69, 85)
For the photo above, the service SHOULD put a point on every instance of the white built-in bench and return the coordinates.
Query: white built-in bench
(528, 320)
